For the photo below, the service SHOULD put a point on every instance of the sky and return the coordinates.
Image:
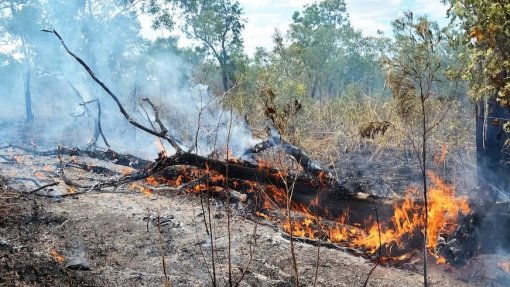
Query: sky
(366, 15)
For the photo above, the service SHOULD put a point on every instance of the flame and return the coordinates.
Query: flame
(505, 266)
(441, 260)
(56, 256)
(146, 191)
(71, 190)
(407, 221)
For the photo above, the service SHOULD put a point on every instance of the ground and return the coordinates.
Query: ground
(111, 238)
(116, 236)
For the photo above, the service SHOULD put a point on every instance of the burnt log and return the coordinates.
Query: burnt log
(334, 197)
(108, 155)
(485, 230)
(307, 163)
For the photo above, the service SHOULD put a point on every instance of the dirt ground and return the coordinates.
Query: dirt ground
(111, 239)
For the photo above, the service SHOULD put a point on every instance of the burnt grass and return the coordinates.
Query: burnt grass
(24, 221)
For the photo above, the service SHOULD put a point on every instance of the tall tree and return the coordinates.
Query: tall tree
(486, 32)
(216, 24)
(333, 53)
(19, 19)
(412, 74)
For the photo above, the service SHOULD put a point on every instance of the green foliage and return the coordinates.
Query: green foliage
(332, 53)
(217, 25)
(485, 29)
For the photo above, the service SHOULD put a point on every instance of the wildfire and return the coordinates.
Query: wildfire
(407, 222)
(395, 236)
(56, 256)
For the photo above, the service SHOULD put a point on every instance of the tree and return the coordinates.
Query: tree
(333, 53)
(217, 25)
(19, 19)
(411, 75)
(486, 32)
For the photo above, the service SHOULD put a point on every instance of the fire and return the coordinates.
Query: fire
(71, 190)
(444, 209)
(146, 191)
(56, 256)
(441, 260)
(407, 221)
(505, 266)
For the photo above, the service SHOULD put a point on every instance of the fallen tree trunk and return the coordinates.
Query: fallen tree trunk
(109, 155)
(335, 198)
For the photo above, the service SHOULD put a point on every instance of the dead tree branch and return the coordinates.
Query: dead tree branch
(162, 134)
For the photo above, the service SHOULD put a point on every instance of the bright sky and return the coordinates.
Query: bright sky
(366, 15)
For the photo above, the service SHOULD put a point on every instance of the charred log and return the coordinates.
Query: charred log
(109, 155)
(308, 164)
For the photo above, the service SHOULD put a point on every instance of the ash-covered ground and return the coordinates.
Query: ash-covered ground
(111, 238)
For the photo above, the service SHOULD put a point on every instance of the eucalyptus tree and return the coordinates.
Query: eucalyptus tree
(215, 24)
(333, 53)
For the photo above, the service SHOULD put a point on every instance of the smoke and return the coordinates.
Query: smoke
(107, 37)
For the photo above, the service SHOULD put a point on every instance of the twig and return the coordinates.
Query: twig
(44, 186)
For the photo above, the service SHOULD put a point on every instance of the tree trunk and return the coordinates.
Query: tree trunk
(28, 96)
(224, 77)
(492, 166)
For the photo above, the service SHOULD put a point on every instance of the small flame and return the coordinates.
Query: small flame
(146, 191)
(408, 220)
(71, 190)
(56, 256)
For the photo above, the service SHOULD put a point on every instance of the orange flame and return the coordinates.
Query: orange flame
(407, 221)
(56, 256)
(146, 191)
(71, 190)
